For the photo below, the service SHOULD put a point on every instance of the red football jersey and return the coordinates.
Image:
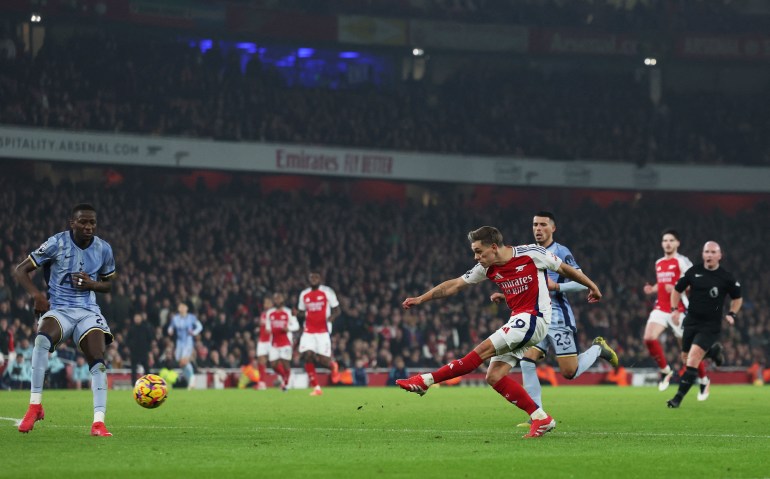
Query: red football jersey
(522, 279)
(317, 305)
(279, 319)
(668, 271)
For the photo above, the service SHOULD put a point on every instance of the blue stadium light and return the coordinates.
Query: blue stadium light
(248, 46)
(205, 45)
(349, 55)
(305, 52)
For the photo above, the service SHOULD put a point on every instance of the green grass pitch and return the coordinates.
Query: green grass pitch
(452, 432)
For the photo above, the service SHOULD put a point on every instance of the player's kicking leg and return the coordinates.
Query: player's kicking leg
(49, 333)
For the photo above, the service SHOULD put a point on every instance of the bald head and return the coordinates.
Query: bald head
(712, 254)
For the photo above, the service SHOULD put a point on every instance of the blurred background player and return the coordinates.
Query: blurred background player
(518, 272)
(263, 343)
(77, 264)
(139, 338)
(709, 283)
(185, 326)
(563, 327)
(668, 270)
(318, 306)
(281, 323)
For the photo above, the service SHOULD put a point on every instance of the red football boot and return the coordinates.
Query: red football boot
(415, 384)
(99, 429)
(34, 413)
(540, 427)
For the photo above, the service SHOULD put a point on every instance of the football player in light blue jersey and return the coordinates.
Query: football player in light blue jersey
(185, 326)
(562, 330)
(77, 265)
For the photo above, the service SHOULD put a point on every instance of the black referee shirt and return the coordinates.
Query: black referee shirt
(708, 290)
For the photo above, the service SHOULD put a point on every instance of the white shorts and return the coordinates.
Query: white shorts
(521, 332)
(319, 343)
(263, 348)
(664, 319)
(284, 352)
(76, 323)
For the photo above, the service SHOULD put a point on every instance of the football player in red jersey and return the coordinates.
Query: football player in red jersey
(318, 305)
(668, 270)
(519, 272)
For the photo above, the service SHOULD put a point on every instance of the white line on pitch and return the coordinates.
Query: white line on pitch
(429, 431)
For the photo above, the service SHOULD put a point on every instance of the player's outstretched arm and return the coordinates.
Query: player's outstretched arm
(594, 294)
(443, 290)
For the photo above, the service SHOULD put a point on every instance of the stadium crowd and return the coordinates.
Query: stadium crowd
(222, 251)
(168, 88)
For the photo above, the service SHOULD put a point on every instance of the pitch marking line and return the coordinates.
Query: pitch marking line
(15, 421)
(425, 431)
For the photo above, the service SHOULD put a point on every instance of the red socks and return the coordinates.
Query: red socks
(701, 370)
(310, 369)
(515, 394)
(283, 372)
(653, 346)
(458, 367)
(262, 372)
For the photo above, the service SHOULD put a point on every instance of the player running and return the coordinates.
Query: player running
(668, 270)
(563, 328)
(520, 273)
(281, 323)
(318, 305)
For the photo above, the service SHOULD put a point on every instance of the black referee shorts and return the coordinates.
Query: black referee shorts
(701, 334)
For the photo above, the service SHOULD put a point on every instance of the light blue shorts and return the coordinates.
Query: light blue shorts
(183, 350)
(562, 339)
(75, 323)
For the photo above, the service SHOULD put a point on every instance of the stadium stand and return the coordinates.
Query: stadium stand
(223, 250)
(164, 87)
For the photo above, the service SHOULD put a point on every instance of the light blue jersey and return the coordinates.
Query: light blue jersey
(61, 257)
(561, 312)
(185, 329)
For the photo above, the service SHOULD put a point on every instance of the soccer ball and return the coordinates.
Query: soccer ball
(150, 391)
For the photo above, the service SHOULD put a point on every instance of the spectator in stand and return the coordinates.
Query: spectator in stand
(6, 337)
(388, 230)
(57, 372)
(139, 339)
(18, 373)
(397, 371)
(81, 374)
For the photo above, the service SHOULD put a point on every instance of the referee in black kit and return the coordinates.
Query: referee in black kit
(709, 284)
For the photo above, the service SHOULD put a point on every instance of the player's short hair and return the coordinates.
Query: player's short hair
(672, 232)
(82, 207)
(487, 235)
(546, 214)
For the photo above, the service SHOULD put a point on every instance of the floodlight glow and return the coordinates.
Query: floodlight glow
(305, 52)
